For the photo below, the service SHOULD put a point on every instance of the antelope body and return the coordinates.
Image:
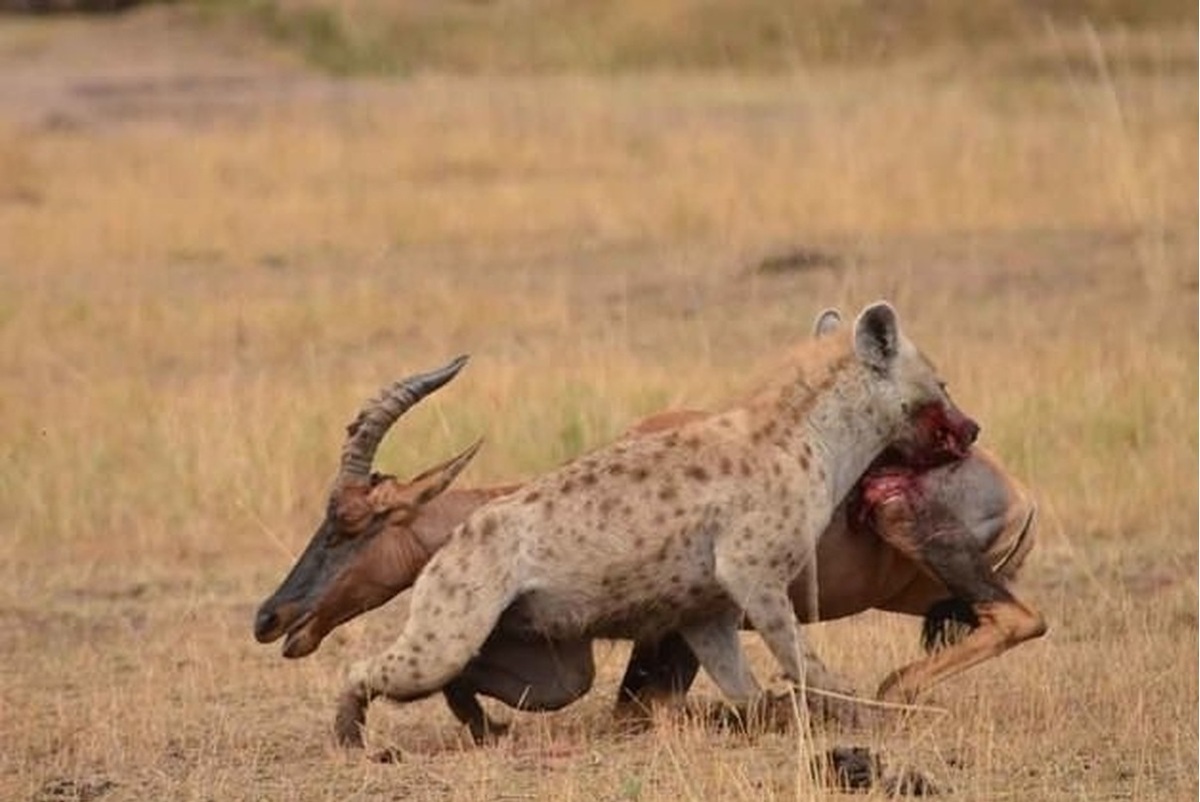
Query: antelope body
(341, 575)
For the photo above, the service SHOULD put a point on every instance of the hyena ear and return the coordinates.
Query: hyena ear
(827, 322)
(877, 335)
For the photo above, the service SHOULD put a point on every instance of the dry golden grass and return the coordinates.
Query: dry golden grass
(192, 305)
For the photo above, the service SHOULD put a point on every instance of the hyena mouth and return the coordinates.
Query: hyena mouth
(943, 434)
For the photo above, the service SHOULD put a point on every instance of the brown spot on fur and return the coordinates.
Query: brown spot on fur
(566, 487)
(548, 508)
(607, 504)
(532, 496)
(696, 472)
(639, 473)
(616, 469)
(725, 466)
(744, 467)
(692, 442)
(667, 492)
(804, 463)
(588, 478)
(488, 526)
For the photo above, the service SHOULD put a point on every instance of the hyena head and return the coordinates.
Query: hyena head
(928, 429)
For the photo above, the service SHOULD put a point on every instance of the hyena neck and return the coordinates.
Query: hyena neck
(835, 428)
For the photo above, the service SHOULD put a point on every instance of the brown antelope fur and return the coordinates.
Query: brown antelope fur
(676, 530)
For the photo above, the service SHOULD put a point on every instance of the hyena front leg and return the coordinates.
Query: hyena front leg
(453, 611)
(716, 645)
(764, 598)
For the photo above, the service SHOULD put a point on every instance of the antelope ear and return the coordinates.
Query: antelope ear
(435, 480)
(877, 335)
(424, 487)
(827, 322)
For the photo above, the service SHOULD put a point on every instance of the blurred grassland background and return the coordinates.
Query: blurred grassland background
(223, 225)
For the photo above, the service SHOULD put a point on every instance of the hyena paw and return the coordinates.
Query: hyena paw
(350, 720)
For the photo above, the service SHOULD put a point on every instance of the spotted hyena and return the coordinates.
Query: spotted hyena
(677, 530)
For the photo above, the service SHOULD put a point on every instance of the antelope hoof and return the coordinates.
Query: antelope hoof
(893, 689)
(350, 720)
(488, 732)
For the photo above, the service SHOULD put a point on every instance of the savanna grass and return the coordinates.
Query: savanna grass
(189, 314)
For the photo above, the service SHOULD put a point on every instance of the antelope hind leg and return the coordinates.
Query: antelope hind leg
(933, 537)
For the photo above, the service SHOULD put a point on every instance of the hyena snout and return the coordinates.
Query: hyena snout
(941, 433)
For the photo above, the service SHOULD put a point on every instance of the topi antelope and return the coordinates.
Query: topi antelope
(343, 574)
(685, 529)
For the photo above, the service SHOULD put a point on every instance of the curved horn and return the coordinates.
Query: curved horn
(378, 415)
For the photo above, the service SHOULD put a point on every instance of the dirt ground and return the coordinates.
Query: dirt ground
(129, 670)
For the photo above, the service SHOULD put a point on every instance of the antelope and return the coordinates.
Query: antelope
(687, 529)
(343, 574)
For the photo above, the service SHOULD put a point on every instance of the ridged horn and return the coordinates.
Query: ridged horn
(366, 432)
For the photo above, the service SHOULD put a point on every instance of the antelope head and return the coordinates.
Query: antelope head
(372, 543)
